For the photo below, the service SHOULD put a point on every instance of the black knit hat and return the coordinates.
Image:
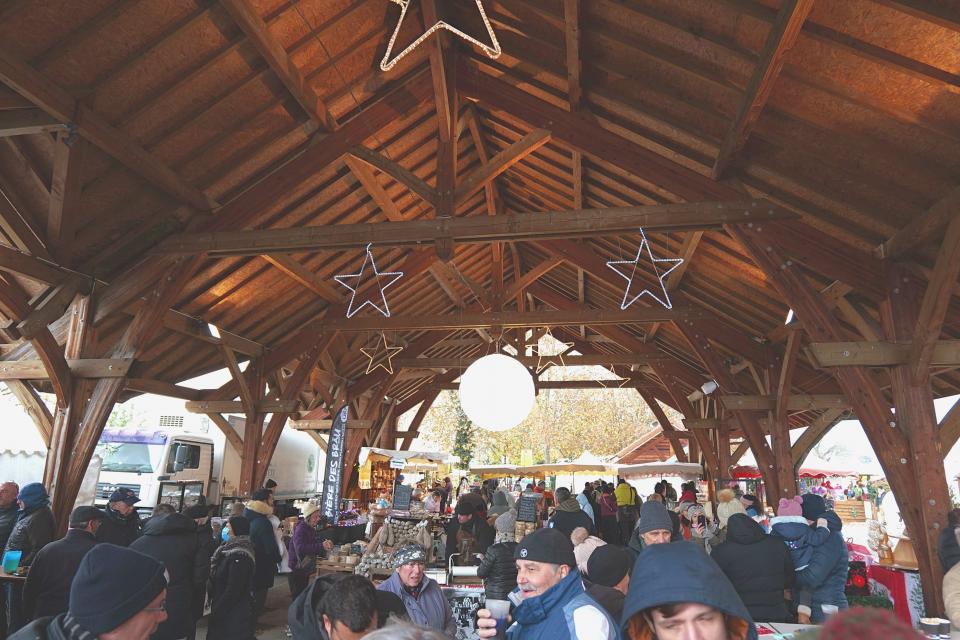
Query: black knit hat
(240, 526)
(546, 545)
(465, 509)
(608, 564)
(813, 506)
(83, 514)
(112, 585)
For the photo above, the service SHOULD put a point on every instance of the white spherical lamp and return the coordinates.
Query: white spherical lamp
(496, 392)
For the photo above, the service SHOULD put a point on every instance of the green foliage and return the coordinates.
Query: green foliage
(464, 437)
(125, 417)
(876, 602)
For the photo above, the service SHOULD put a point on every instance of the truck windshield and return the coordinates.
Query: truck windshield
(128, 457)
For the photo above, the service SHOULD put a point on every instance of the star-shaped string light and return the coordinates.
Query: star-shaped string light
(616, 383)
(492, 50)
(629, 270)
(367, 273)
(545, 360)
(384, 356)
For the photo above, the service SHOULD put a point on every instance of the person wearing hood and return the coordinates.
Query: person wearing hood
(498, 570)
(654, 527)
(501, 504)
(231, 584)
(310, 616)
(121, 524)
(265, 549)
(421, 595)
(609, 527)
(469, 527)
(117, 593)
(791, 527)
(8, 517)
(47, 589)
(727, 505)
(305, 548)
(554, 604)
(505, 526)
(33, 530)
(172, 539)
(678, 592)
(759, 566)
(826, 574)
(568, 515)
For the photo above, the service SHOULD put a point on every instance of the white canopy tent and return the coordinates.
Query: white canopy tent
(685, 470)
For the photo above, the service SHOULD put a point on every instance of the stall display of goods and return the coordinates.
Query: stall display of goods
(394, 533)
(524, 528)
(343, 558)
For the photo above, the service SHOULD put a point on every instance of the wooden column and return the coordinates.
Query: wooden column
(780, 421)
(252, 386)
(915, 417)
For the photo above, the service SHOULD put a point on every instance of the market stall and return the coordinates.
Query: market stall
(491, 471)
(379, 468)
(684, 470)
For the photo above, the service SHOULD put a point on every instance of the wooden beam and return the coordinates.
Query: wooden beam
(87, 368)
(590, 360)
(665, 425)
(414, 427)
(233, 438)
(232, 406)
(326, 424)
(303, 276)
(780, 419)
(20, 231)
(499, 164)
(936, 301)
(923, 228)
(402, 175)
(161, 388)
(64, 107)
(34, 406)
(443, 95)
(52, 305)
(28, 266)
(476, 229)
(782, 36)
(879, 354)
(247, 400)
(65, 187)
(795, 402)
(532, 274)
(950, 429)
(690, 243)
(814, 433)
(571, 32)
(741, 449)
(24, 122)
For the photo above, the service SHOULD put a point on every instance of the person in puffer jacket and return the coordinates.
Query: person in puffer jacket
(677, 591)
(826, 575)
(265, 548)
(790, 526)
(499, 571)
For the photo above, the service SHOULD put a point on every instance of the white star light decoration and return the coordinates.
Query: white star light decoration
(388, 352)
(368, 272)
(628, 269)
(545, 360)
(492, 50)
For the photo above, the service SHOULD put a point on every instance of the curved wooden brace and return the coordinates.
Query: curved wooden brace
(814, 434)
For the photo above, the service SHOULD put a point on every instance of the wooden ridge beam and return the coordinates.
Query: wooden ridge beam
(24, 122)
(879, 354)
(564, 384)
(782, 36)
(795, 402)
(500, 163)
(85, 368)
(590, 360)
(476, 229)
(64, 107)
(936, 301)
(923, 228)
(232, 406)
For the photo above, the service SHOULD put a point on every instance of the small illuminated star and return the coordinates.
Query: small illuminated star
(616, 383)
(629, 273)
(388, 354)
(545, 360)
(362, 278)
(492, 50)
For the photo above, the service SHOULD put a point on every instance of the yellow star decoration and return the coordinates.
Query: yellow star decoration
(617, 383)
(545, 360)
(492, 50)
(388, 353)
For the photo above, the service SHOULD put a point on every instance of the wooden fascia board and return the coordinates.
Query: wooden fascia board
(879, 354)
(82, 368)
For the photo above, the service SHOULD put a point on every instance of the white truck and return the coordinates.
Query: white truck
(186, 457)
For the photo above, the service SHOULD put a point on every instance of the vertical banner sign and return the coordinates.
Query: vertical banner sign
(333, 473)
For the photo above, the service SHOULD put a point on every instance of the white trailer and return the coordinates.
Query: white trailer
(184, 458)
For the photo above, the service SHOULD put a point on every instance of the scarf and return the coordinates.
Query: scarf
(414, 591)
(235, 545)
(570, 504)
(258, 506)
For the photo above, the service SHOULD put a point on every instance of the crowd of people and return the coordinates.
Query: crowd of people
(605, 565)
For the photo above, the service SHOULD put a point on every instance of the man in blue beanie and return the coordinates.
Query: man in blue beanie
(33, 530)
(117, 594)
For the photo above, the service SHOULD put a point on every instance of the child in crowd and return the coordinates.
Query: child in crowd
(790, 526)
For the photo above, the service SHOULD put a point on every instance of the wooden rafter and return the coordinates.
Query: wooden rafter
(780, 39)
(22, 122)
(500, 163)
(814, 433)
(474, 229)
(923, 228)
(690, 243)
(302, 275)
(64, 211)
(34, 406)
(402, 175)
(571, 33)
(528, 361)
(233, 438)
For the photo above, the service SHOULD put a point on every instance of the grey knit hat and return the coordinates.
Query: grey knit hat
(654, 517)
(410, 552)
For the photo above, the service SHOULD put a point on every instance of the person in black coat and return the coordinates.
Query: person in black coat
(231, 585)
(469, 526)
(122, 525)
(948, 548)
(759, 567)
(499, 570)
(47, 589)
(265, 548)
(206, 546)
(172, 539)
(33, 530)
(569, 515)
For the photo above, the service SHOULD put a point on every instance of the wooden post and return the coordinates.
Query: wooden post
(253, 380)
(915, 417)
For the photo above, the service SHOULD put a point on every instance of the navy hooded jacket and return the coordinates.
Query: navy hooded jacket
(680, 572)
(826, 575)
(554, 615)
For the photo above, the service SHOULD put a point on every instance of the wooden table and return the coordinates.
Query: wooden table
(7, 577)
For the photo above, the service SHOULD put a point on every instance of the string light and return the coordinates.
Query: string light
(629, 274)
(388, 354)
(360, 278)
(492, 51)
(545, 360)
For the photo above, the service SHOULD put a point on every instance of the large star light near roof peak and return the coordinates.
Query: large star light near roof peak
(367, 292)
(492, 50)
(628, 270)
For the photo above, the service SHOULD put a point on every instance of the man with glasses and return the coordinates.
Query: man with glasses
(421, 595)
(47, 590)
(117, 594)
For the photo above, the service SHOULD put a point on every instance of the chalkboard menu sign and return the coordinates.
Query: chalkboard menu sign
(465, 602)
(401, 497)
(527, 508)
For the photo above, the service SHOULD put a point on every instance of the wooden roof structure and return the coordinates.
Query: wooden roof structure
(180, 180)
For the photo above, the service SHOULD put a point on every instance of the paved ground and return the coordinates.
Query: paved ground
(273, 621)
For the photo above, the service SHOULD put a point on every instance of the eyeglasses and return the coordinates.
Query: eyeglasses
(162, 607)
